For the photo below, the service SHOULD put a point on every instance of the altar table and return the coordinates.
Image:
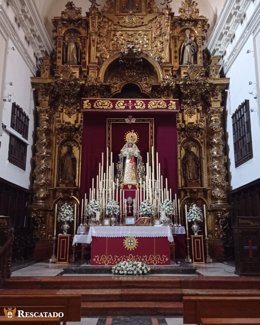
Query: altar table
(110, 245)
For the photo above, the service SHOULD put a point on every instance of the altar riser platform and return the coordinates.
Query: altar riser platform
(127, 296)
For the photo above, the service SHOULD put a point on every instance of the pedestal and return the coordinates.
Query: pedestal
(63, 248)
(197, 246)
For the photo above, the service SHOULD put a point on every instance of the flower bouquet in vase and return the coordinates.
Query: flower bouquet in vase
(146, 212)
(112, 210)
(195, 215)
(167, 209)
(65, 215)
(93, 211)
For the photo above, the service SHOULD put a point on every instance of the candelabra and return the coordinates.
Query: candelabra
(208, 258)
(53, 258)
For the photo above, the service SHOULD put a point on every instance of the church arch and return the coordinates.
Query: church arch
(109, 63)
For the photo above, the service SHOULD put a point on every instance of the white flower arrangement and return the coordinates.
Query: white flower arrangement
(165, 220)
(65, 212)
(93, 207)
(146, 208)
(112, 208)
(194, 213)
(130, 268)
(168, 208)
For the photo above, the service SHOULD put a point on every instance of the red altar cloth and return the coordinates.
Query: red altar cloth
(150, 250)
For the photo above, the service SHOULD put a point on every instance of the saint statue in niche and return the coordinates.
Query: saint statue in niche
(188, 49)
(68, 167)
(71, 53)
(191, 165)
(130, 168)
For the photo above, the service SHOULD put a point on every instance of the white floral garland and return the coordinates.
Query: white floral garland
(130, 268)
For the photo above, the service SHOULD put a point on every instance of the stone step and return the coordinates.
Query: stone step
(126, 294)
(92, 282)
(131, 308)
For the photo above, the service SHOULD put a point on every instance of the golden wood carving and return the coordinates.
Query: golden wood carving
(96, 55)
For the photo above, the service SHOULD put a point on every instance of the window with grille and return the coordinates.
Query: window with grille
(17, 152)
(19, 121)
(242, 134)
(17, 147)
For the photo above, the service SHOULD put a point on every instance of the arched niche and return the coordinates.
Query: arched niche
(191, 165)
(130, 90)
(140, 71)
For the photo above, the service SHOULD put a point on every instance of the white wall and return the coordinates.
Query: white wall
(242, 71)
(3, 44)
(16, 72)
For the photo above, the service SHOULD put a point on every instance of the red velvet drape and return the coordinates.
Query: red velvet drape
(94, 143)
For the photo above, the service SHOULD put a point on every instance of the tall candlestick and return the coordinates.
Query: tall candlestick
(205, 221)
(179, 211)
(157, 166)
(82, 208)
(152, 161)
(186, 220)
(102, 166)
(75, 216)
(120, 202)
(55, 220)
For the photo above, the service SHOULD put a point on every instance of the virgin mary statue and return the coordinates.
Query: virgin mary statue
(130, 167)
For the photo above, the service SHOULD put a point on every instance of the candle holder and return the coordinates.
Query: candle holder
(208, 258)
(53, 258)
(188, 258)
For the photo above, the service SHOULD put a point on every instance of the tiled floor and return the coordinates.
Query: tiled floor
(48, 269)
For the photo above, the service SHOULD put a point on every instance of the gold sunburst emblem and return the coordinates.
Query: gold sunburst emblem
(131, 136)
(130, 243)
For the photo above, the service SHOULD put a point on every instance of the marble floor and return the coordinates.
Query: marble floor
(49, 269)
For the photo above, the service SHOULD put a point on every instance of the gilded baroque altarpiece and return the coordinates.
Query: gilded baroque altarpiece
(95, 56)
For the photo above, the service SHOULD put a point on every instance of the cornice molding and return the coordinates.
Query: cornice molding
(249, 30)
(9, 32)
(231, 17)
(31, 22)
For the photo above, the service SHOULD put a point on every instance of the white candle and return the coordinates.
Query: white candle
(102, 165)
(82, 207)
(205, 221)
(157, 166)
(179, 210)
(186, 220)
(152, 161)
(120, 201)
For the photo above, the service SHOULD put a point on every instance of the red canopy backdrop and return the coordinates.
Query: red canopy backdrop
(102, 129)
